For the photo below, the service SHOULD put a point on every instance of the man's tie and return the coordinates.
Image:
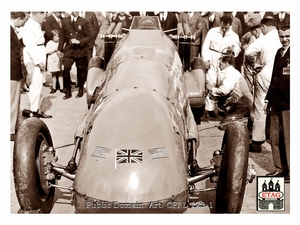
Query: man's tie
(162, 18)
(280, 16)
(281, 52)
(59, 22)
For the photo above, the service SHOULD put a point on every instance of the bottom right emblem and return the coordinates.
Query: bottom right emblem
(270, 193)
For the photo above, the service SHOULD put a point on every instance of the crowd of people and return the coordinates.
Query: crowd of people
(246, 56)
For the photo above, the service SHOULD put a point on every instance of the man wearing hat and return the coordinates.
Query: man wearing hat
(266, 47)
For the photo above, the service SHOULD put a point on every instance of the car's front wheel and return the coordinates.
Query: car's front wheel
(31, 167)
(233, 171)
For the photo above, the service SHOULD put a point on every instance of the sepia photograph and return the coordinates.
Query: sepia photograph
(150, 110)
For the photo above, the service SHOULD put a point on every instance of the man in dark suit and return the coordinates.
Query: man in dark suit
(277, 103)
(52, 22)
(236, 25)
(210, 20)
(17, 19)
(283, 19)
(213, 19)
(141, 13)
(94, 28)
(76, 36)
(195, 23)
(168, 21)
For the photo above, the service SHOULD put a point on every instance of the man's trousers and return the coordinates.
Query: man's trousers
(81, 65)
(258, 115)
(280, 140)
(15, 96)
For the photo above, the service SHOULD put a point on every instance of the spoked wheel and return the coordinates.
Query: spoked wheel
(31, 167)
(233, 170)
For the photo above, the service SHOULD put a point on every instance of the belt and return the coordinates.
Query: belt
(40, 45)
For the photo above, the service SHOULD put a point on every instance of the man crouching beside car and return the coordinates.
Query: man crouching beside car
(231, 92)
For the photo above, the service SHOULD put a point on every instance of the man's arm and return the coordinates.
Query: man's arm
(29, 39)
(254, 48)
(226, 87)
(47, 27)
(87, 34)
(236, 46)
(199, 27)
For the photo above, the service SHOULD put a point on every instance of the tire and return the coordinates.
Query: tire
(198, 113)
(233, 171)
(30, 181)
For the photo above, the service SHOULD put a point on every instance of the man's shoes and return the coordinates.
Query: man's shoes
(40, 114)
(62, 90)
(46, 84)
(72, 82)
(279, 174)
(52, 91)
(28, 113)
(211, 114)
(287, 179)
(275, 174)
(254, 148)
(68, 94)
(80, 93)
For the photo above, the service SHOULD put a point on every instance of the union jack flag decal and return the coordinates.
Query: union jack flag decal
(129, 156)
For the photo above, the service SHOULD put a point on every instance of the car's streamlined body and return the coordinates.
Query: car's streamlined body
(137, 143)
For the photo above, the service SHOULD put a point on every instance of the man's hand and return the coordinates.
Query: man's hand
(74, 41)
(60, 54)
(211, 96)
(233, 98)
(42, 66)
(207, 65)
(257, 67)
(209, 86)
(266, 109)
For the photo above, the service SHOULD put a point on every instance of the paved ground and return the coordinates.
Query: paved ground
(67, 114)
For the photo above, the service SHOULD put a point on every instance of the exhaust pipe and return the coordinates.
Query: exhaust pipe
(204, 175)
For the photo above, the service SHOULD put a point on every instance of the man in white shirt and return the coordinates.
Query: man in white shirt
(249, 69)
(216, 40)
(267, 47)
(35, 60)
(231, 91)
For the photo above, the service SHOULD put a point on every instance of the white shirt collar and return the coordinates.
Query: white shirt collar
(57, 19)
(74, 18)
(212, 17)
(13, 26)
(286, 48)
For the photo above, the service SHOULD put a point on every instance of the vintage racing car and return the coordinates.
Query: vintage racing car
(137, 143)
